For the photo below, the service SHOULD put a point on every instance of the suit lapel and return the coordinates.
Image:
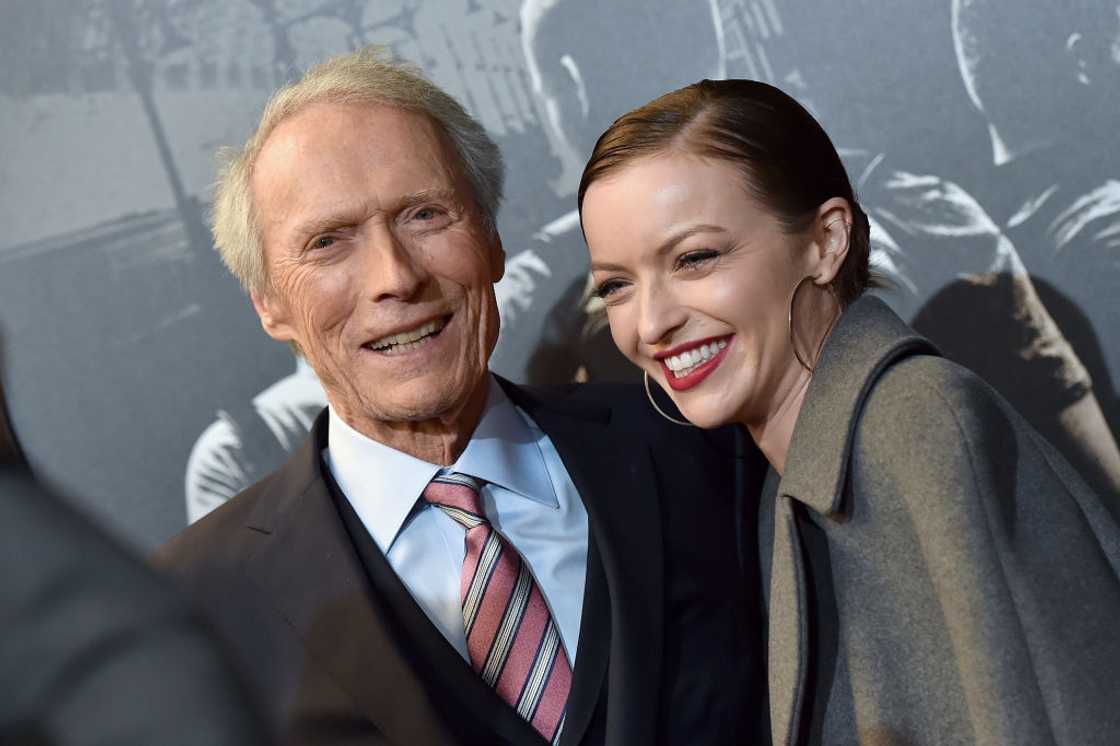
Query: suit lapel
(788, 627)
(593, 650)
(623, 603)
(310, 568)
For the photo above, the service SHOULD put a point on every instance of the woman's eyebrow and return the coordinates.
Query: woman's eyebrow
(668, 244)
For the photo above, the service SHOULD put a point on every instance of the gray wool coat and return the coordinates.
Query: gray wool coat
(934, 572)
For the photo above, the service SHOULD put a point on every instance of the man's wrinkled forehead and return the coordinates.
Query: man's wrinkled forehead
(325, 144)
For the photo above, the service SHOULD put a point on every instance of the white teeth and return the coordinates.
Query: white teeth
(683, 363)
(407, 340)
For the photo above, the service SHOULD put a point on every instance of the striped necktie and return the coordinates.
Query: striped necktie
(513, 642)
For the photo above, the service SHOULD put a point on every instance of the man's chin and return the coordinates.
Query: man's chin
(420, 401)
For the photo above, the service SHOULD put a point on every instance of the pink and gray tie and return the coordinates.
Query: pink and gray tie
(513, 642)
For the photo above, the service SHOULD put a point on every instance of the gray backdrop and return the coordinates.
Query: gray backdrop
(980, 133)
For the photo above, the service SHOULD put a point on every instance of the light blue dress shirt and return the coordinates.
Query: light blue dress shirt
(528, 497)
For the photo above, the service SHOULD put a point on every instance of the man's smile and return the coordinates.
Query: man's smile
(401, 342)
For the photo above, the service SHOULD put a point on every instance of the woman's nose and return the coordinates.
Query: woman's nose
(659, 315)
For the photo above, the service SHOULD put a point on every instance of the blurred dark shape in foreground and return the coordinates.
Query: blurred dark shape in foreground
(94, 647)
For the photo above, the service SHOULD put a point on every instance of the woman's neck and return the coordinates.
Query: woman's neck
(773, 433)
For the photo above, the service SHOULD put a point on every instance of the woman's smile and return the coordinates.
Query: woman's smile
(687, 365)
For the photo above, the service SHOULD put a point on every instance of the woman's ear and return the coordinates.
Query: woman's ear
(832, 233)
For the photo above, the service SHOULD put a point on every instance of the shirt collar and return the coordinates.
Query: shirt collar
(383, 484)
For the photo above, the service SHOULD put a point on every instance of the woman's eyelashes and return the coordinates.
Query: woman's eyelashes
(696, 258)
(608, 288)
(689, 260)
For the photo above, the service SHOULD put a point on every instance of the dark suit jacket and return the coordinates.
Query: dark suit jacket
(939, 574)
(342, 654)
(94, 649)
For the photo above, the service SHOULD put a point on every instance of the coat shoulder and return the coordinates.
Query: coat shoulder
(936, 435)
(212, 542)
(928, 399)
(940, 429)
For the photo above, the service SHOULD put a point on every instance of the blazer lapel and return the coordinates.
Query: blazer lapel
(788, 648)
(593, 650)
(623, 607)
(311, 570)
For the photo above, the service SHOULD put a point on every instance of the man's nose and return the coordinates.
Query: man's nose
(659, 315)
(396, 270)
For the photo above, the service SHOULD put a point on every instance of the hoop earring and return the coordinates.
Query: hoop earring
(789, 321)
(792, 342)
(660, 411)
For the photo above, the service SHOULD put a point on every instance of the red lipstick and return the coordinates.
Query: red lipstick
(701, 372)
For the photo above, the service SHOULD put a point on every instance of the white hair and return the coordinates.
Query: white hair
(367, 76)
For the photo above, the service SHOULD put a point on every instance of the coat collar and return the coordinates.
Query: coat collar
(867, 339)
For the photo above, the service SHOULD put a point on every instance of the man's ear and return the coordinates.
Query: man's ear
(274, 315)
(497, 258)
(832, 233)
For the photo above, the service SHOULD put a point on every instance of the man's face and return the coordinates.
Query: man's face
(379, 264)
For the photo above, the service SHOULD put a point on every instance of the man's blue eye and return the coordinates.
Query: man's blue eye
(323, 242)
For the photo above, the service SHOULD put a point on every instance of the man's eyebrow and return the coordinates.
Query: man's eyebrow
(666, 245)
(350, 216)
(321, 224)
(437, 194)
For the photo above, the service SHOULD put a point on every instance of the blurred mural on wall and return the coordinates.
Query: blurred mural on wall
(980, 133)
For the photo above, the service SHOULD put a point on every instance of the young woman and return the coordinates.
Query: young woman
(934, 571)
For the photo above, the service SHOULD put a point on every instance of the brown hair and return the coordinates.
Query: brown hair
(788, 161)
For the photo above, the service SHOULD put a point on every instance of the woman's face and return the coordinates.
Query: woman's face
(696, 276)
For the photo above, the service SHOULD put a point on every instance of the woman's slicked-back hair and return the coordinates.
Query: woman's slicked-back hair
(367, 77)
(788, 162)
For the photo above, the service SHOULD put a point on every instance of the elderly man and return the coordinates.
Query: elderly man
(453, 559)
